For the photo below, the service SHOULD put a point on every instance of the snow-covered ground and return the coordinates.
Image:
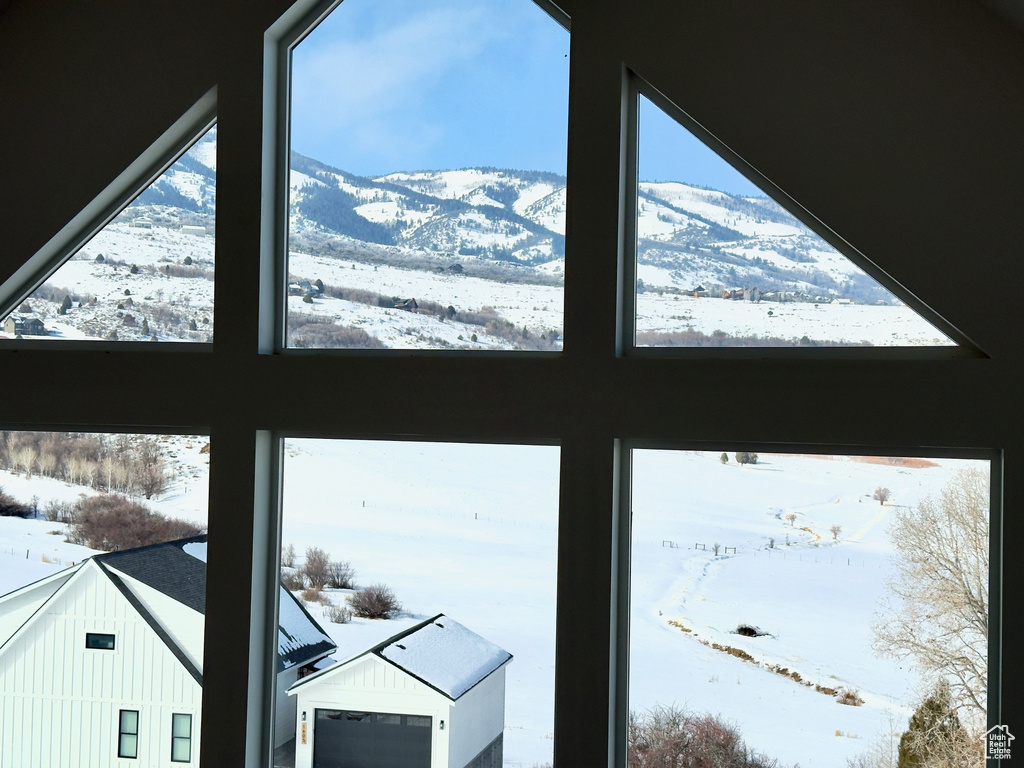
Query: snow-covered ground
(837, 323)
(538, 307)
(470, 531)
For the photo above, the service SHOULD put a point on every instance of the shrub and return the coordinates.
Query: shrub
(341, 575)
(10, 507)
(312, 595)
(849, 698)
(671, 736)
(291, 580)
(376, 601)
(338, 614)
(60, 511)
(110, 522)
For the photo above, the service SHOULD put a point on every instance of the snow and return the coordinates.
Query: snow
(536, 306)
(470, 531)
(295, 630)
(446, 655)
(197, 549)
(880, 325)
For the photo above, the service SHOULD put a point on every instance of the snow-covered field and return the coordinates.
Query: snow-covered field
(878, 325)
(470, 531)
(538, 307)
(814, 597)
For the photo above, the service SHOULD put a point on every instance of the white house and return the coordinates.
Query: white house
(101, 664)
(432, 696)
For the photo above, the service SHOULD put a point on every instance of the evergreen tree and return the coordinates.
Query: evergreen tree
(934, 731)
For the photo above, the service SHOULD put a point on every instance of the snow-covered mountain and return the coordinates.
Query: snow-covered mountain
(475, 256)
(688, 236)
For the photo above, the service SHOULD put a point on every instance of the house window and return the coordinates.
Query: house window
(128, 733)
(181, 738)
(99, 641)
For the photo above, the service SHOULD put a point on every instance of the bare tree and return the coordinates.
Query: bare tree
(938, 609)
(791, 516)
(288, 556)
(881, 495)
(317, 567)
(341, 575)
(836, 530)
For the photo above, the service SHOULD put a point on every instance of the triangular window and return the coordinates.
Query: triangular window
(146, 275)
(721, 264)
(427, 178)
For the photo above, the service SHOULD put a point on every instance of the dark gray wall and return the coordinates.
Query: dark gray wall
(896, 123)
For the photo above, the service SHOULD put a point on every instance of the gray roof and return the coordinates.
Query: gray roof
(168, 568)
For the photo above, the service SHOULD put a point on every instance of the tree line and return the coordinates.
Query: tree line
(134, 465)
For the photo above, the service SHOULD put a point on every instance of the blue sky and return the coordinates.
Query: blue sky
(403, 85)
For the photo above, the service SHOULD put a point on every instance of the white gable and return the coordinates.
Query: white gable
(18, 606)
(365, 674)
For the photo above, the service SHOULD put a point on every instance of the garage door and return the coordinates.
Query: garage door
(346, 739)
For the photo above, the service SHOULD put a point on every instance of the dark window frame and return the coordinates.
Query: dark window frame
(95, 641)
(121, 733)
(176, 740)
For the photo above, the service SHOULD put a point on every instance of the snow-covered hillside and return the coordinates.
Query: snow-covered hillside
(471, 531)
(468, 259)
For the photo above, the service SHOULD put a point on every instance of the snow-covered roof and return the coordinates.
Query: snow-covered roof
(444, 654)
(439, 652)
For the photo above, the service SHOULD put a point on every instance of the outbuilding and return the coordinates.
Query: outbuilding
(432, 696)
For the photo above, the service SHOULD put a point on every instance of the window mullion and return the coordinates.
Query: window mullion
(586, 634)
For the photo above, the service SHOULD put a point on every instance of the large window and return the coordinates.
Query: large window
(901, 139)
(803, 605)
(427, 201)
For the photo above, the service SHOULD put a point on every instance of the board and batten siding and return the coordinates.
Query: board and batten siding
(370, 684)
(476, 719)
(59, 701)
(284, 711)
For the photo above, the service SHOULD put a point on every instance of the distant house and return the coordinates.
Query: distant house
(456, 268)
(29, 326)
(305, 288)
(842, 301)
(432, 696)
(191, 229)
(104, 660)
(407, 304)
(142, 222)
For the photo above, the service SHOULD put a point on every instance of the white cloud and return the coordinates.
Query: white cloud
(349, 83)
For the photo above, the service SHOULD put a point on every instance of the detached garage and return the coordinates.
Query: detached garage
(432, 696)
